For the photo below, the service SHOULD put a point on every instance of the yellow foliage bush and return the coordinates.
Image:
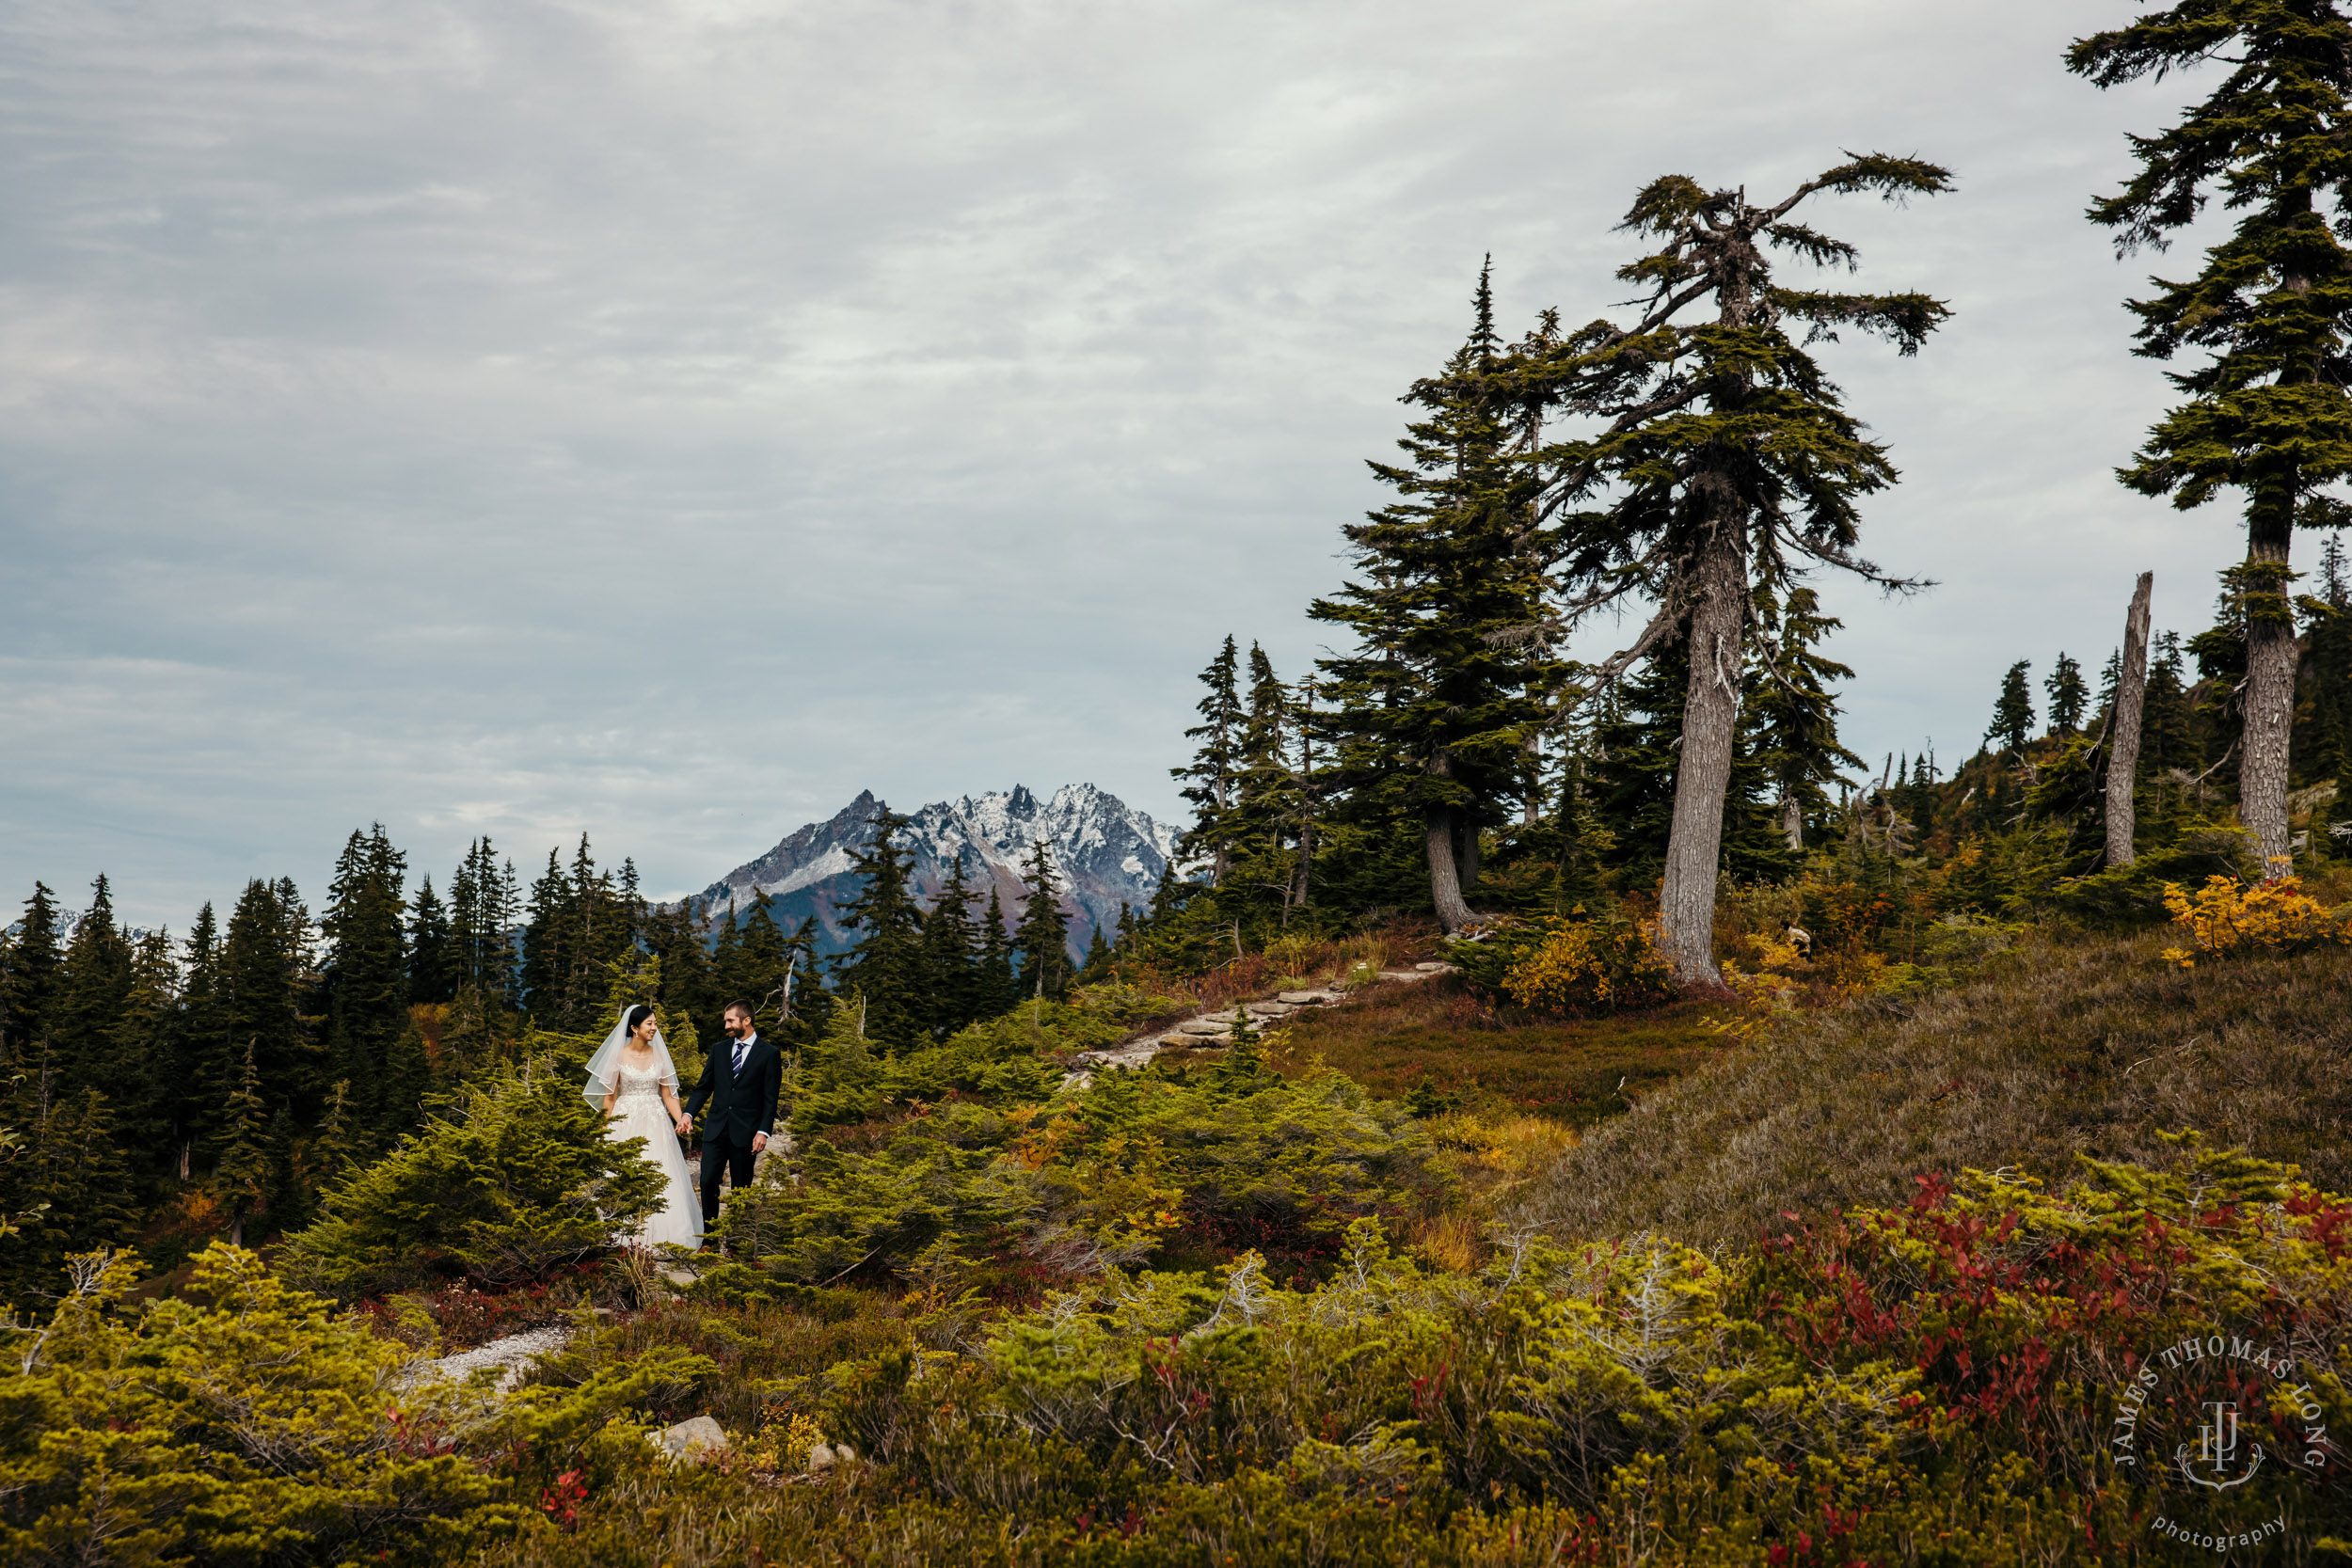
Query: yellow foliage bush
(1590, 966)
(2226, 916)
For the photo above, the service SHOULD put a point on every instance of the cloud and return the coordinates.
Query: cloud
(663, 421)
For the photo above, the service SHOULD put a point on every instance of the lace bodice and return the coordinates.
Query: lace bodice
(633, 1082)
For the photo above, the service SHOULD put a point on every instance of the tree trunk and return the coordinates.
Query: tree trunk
(1466, 853)
(2124, 726)
(2271, 656)
(1445, 888)
(1711, 714)
(1792, 823)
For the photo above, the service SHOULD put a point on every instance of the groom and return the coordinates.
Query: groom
(741, 1082)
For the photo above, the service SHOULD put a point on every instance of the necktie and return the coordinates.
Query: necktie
(741, 1048)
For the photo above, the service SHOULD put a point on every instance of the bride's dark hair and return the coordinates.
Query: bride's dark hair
(637, 1015)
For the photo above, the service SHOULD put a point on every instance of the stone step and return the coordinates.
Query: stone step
(1306, 998)
(1435, 968)
(1267, 1009)
(1206, 1026)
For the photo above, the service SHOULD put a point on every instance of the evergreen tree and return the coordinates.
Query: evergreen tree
(1210, 774)
(548, 960)
(244, 1178)
(2067, 695)
(950, 983)
(366, 973)
(265, 976)
(2324, 732)
(484, 907)
(433, 969)
(675, 936)
(1632, 773)
(886, 964)
(1726, 451)
(2267, 413)
(2166, 725)
(1793, 715)
(813, 1004)
(998, 988)
(1096, 967)
(204, 1044)
(1434, 705)
(2110, 682)
(150, 1062)
(336, 1150)
(28, 975)
(93, 984)
(1042, 938)
(69, 1183)
(755, 961)
(2013, 711)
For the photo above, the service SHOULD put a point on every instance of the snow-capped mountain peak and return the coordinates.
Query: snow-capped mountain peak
(1104, 851)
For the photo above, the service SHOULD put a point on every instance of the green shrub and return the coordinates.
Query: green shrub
(242, 1422)
(1232, 1154)
(511, 1178)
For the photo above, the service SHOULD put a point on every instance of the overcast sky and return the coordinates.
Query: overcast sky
(667, 419)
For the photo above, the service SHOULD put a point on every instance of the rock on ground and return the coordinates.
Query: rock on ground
(511, 1356)
(693, 1440)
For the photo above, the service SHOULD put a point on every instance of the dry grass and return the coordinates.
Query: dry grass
(1434, 1033)
(2090, 1047)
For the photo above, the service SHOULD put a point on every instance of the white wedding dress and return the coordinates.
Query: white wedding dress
(639, 1113)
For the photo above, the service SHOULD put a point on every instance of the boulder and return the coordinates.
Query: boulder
(821, 1458)
(693, 1440)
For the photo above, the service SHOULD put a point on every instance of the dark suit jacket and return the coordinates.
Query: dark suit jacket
(742, 1104)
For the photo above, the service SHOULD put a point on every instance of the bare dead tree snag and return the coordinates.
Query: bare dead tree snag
(2131, 688)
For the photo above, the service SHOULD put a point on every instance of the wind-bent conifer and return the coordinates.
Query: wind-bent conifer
(1724, 459)
(2267, 414)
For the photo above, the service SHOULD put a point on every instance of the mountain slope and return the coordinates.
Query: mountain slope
(2091, 1046)
(1104, 851)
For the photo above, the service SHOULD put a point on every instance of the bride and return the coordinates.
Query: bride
(632, 1080)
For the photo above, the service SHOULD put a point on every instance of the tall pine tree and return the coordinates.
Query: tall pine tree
(1042, 938)
(2067, 696)
(2267, 414)
(2012, 710)
(29, 960)
(366, 973)
(884, 965)
(1435, 703)
(1208, 779)
(1793, 715)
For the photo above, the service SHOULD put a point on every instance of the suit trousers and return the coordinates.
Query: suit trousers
(731, 1158)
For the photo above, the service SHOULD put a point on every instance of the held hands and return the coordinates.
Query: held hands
(685, 1124)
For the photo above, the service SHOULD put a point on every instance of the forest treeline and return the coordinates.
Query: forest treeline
(164, 1088)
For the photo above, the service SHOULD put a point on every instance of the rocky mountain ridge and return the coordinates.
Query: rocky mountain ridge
(1105, 851)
